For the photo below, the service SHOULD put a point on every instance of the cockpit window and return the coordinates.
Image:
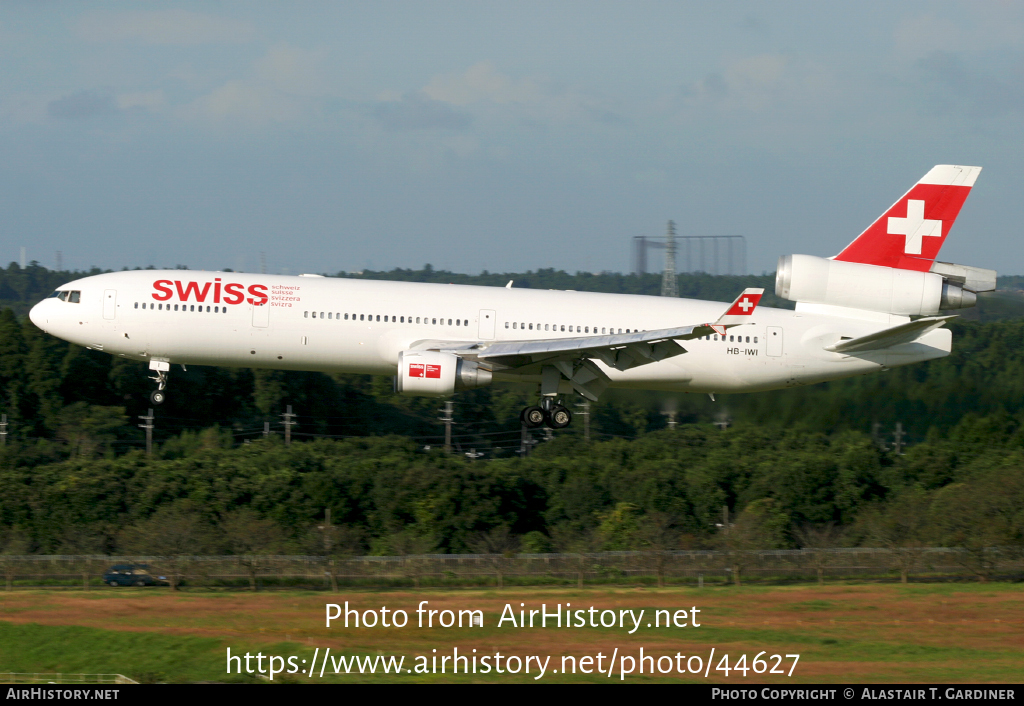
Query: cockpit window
(56, 295)
(74, 297)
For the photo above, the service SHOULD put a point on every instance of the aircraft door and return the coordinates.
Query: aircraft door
(486, 331)
(261, 315)
(774, 344)
(109, 303)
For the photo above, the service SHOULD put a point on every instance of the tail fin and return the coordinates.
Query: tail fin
(909, 235)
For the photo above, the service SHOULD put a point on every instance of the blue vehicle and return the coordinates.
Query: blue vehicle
(131, 575)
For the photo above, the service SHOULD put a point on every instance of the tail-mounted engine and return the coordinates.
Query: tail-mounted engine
(816, 280)
(436, 374)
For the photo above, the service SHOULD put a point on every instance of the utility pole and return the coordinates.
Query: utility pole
(725, 519)
(669, 283)
(671, 418)
(148, 426)
(266, 430)
(447, 419)
(288, 423)
(722, 421)
(524, 441)
(585, 405)
(898, 436)
(3, 430)
(60, 261)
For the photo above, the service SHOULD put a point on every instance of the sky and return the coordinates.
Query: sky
(506, 136)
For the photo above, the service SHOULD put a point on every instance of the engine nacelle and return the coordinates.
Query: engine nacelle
(436, 374)
(816, 280)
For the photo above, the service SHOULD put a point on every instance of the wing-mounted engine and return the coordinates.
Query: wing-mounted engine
(816, 280)
(437, 374)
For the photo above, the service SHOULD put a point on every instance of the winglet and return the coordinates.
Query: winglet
(740, 311)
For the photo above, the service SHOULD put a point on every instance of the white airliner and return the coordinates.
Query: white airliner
(873, 306)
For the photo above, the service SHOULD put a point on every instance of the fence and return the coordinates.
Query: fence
(60, 678)
(676, 567)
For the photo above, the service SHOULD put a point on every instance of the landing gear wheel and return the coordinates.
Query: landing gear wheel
(558, 417)
(157, 396)
(532, 417)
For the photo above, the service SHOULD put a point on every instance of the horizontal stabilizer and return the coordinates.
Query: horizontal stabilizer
(887, 338)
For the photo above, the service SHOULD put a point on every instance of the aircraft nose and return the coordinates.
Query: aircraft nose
(36, 315)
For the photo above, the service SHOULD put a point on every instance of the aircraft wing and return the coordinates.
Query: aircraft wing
(622, 351)
(886, 338)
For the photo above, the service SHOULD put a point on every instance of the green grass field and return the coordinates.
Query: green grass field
(950, 632)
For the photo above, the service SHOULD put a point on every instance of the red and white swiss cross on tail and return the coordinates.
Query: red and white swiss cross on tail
(740, 311)
(909, 235)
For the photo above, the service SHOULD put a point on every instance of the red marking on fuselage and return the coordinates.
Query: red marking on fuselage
(230, 293)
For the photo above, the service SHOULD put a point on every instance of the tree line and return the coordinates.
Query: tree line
(665, 490)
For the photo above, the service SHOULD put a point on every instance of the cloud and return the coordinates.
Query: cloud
(293, 70)
(173, 27)
(242, 100)
(416, 111)
(531, 98)
(760, 83)
(82, 105)
(482, 82)
(144, 100)
(990, 26)
(282, 86)
(984, 89)
(87, 104)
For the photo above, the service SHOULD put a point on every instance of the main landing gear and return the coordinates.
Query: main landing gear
(549, 412)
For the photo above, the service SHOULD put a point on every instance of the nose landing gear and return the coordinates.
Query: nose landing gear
(549, 412)
(158, 396)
